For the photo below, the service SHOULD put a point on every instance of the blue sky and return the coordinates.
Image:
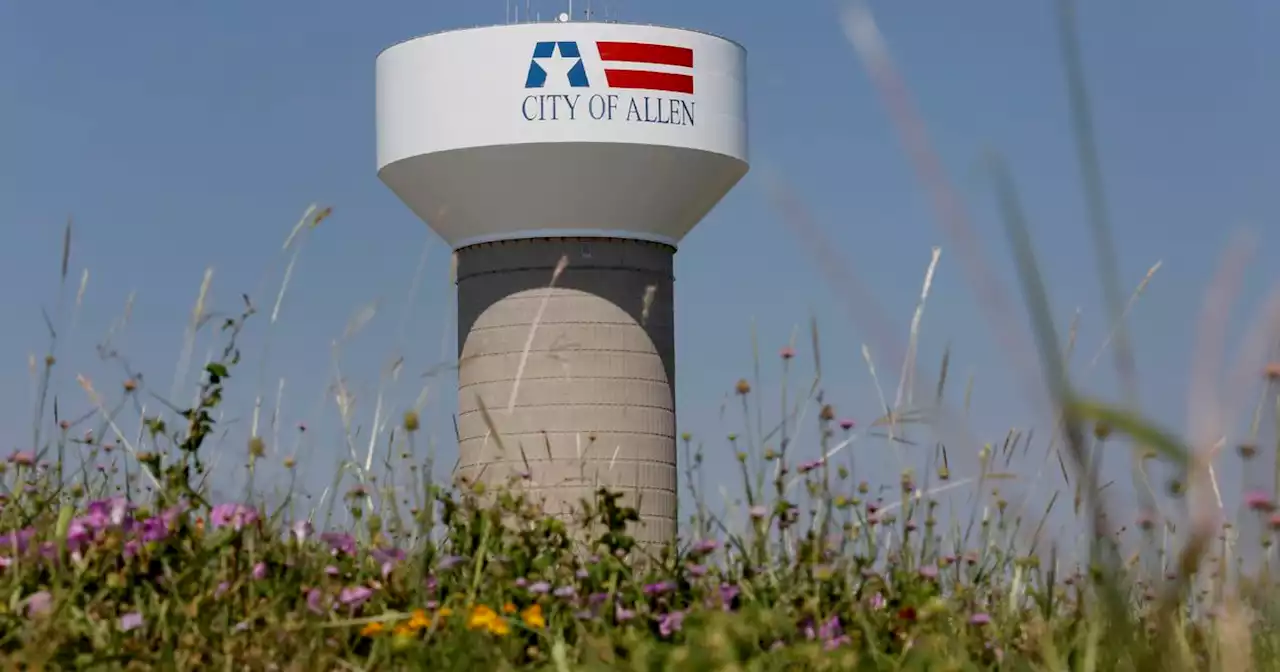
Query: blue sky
(187, 135)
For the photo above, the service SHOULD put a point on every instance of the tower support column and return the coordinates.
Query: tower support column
(578, 376)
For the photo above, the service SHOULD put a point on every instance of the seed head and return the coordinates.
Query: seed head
(411, 421)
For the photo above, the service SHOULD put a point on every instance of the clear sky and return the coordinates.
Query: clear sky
(182, 136)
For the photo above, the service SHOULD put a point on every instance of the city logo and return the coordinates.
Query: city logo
(654, 71)
(577, 74)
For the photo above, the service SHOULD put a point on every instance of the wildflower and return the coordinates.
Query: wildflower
(696, 570)
(759, 511)
(806, 467)
(623, 615)
(1258, 501)
(315, 601)
(372, 629)
(743, 387)
(670, 623)
(78, 534)
(582, 573)
(18, 541)
(728, 592)
(540, 588)
(508, 608)
(110, 511)
(419, 620)
(929, 572)
(787, 352)
(221, 589)
(339, 543)
(237, 516)
(522, 582)
(355, 596)
(836, 642)
(705, 546)
(259, 571)
(331, 570)
(565, 591)
(23, 458)
(831, 629)
(387, 558)
(443, 614)
(660, 588)
(480, 617)
(450, 561)
(483, 617)
(157, 528)
(846, 424)
(499, 627)
(980, 619)
(301, 530)
(130, 621)
(39, 604)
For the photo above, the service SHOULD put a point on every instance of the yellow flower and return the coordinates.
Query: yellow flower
(403, 629)
(499, 627)
(481, 617)
(372, 629)
(419, 620)
(508, 608)
(441, 616)
(533, 617)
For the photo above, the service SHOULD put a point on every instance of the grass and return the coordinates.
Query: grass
(137, 564)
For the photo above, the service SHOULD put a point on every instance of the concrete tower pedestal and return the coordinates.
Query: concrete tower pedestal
(594, 398)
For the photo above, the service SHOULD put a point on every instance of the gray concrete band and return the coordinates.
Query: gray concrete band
(595, 396)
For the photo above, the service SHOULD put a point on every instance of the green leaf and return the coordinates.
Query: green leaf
(1145, 433)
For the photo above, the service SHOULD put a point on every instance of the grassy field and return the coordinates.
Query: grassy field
(116, 556)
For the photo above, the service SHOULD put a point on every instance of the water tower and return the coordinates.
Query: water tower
(599, 144)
